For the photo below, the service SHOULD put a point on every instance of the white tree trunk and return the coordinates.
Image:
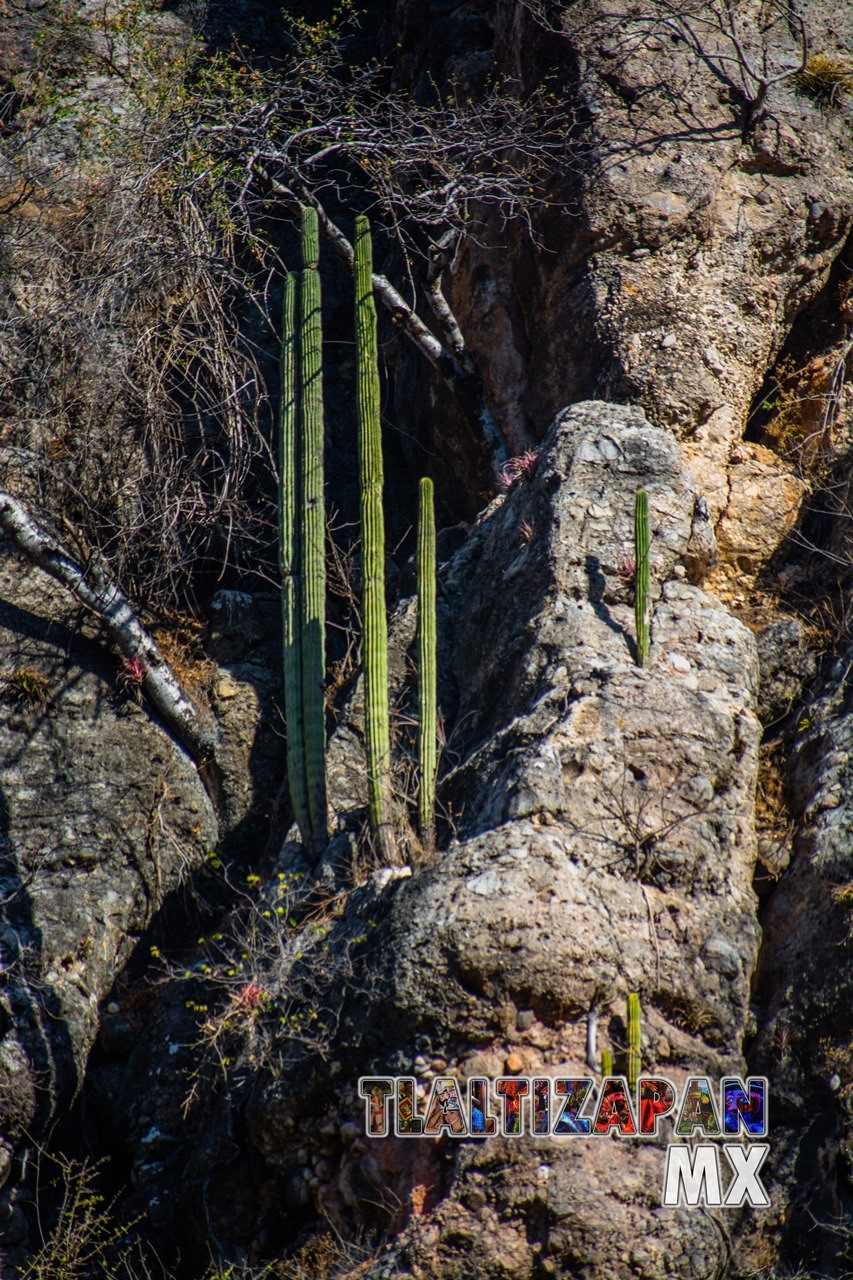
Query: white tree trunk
(98, 593)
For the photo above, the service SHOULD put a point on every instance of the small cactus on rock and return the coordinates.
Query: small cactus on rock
(642, 574)
(634, 1054)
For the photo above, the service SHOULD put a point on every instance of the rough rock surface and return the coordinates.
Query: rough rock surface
(607, 848)
(804, 978)
(786, 663)
(103, 817)
(679, 253)
(599, 827)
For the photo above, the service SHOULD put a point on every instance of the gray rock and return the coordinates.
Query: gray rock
(786, 663)
(13, 1224)
(605, 842)
(103, 817)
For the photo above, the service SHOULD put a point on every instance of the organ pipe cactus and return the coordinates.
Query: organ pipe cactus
(634, 1057)
(606, 1062)
(313, 532)
(375, 627)
(427, 664)
(641, 574)
(290, 563)
(302, 536)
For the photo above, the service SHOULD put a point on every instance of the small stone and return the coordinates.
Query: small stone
(679, 571)
(668, 341)
(514, 1064)
(835, 1082)
(524, 1019)
(474, 1198)
(226, 688)
(713, 360)
(484, 885)
(113, 1008)
(678, 662)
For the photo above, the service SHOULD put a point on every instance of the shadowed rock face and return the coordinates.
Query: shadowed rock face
(101, 818)
(803, 983)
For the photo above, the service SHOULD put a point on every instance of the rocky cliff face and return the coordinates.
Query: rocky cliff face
(677, 319)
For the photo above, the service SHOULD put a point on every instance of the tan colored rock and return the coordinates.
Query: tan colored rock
(765, 498)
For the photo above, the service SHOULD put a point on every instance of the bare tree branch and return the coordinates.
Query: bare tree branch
(452, 361)
(717, 32)
(103, 597)
(401, 313)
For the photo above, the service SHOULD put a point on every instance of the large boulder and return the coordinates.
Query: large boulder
(605, 847)
(102, 818)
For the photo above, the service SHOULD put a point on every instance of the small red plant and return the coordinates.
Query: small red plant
(131, 677)
(250, 997)
(515, 468)
(782, 1041)
(627, 568)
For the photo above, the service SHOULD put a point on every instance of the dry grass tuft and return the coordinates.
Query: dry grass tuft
(26, 687)
(827, 79)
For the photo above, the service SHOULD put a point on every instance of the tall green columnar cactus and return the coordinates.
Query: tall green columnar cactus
(606, 1062)
(634, 1058)
(313, 532)
(290, 561)
(641, 574)
(427, 665)
(375, 627)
